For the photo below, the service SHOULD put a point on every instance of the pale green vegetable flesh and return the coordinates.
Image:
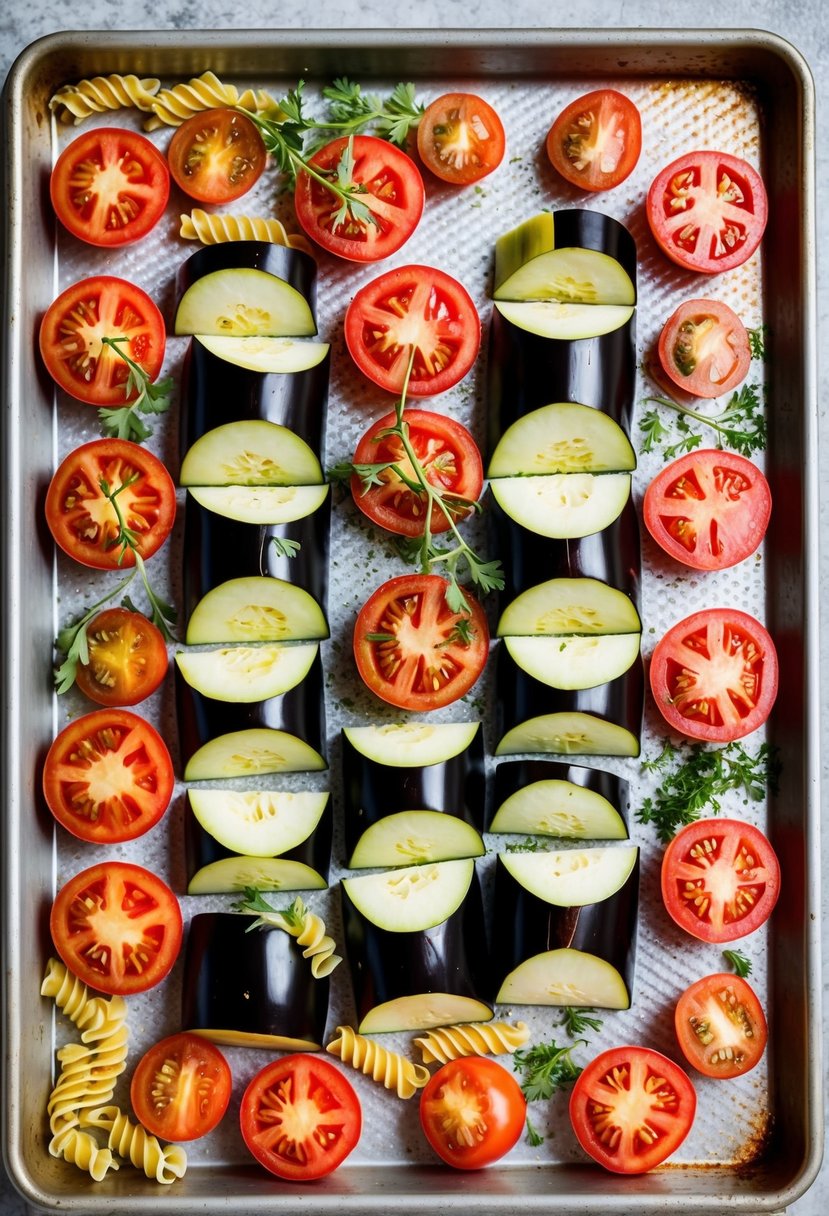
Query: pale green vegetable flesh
(413, 838)
(243, 674)
(250, 753)
(261, 504)
(265, 873)
(564, 322)
(252, 452)
(562, 437)
(564, 506)
(244, 302)
(258, 823)
(267, 355)
(561, 809)
(575, 662)
(411, 744)
(414, 898)
(569, 606)
(256, 609)
(423, 1012)
(577, 276)
(572, 878)
(565, 977)
(568, 734)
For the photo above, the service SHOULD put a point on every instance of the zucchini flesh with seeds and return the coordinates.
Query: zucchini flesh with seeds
(565, 977)
(568, 733)
(256, 609)
(260, 504)
(258, 823)
(530, 258)
(563, 607)
(414, 838)
(250, 452)
(574, 663)
(548, 798)
(250, 753)
(244, 303)
(244, 674)
(563, 506)
(619, 702)
(562, 437)
(229, 874)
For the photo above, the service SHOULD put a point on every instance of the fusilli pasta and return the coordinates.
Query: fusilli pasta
(471, 1039)
(79, 1148)
(172, 106)
(164, 1163)
(389, 1068)
(215, 228)
(75, 102)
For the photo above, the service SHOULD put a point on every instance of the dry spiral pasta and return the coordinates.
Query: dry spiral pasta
(389, 1068)
(81, 1149)
(70, 995)
(216, 228)
(309, 931)
(471, 1039)
(75, 102)
(172, 106)
(164, 1163)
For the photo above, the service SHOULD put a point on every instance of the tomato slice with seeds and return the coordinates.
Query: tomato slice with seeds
(217, 156)
(460, 138)
(412, 650)
(472, 1112)
(181, 1087)
(704, 348)
(595, 141)
(721, 1026)
(117, 927)
(127, 658)
(108, 776)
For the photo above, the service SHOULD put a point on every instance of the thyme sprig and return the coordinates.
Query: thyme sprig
(123, 422)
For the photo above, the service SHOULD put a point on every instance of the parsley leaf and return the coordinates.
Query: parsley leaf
(285, 547)
(533, 1137)
(546, 1068)
(153, 397)
(741, 426)
(738, 961)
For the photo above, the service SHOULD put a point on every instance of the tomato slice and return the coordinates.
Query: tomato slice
(181, 1087)
(391, 187)
(714, 675)
(413, 307)
(448, 455)
(117, 927)
(721, 1026)
(412, 650)
(108, 776)
(83, 520)
(110, 186)
(631, 1108)
(708, 509)
(704, 348)
(72, 333)
(127, 658)
(472, 1112)
(217, 156)
(707, 211)
(720, 879)
(595, 141)
(460, 138)
(300, 1117)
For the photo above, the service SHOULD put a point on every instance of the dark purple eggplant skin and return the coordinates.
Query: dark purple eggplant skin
(582, 228)
(372, 791)
(201, 849)
(514, 775)
(525, 925)
(452, 957)
(255, 982)
(295, 266)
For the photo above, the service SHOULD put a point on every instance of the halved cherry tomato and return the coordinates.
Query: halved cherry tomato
(83, 520)
(391, 188)
(721, 1026)
(412, 650)
(181, 1087)
(447, 454)
(413, 307)
(110, 186)
(127, 658)
(217, 156)
(595, 141)
(714, 675)
(300, 1117)
(704, 348)
(108, 776)
(460, 138)
(631, 1108)
(72, 333)
(472, 1112)
(720, 879)
(707, 211)
(117, 927)
(708, 509)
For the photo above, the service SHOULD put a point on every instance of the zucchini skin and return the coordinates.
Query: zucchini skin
(513, 775)
(295, 266)
(201, 849)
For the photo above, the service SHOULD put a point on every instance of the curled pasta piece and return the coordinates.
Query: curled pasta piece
(215, 228)
(81, 1149)
(261, 102)
(75, 102)
(70, 995)
(388, 1067)
(164, 1163)
(172, 106)
(87, 1078)
(301, 923)
(472, 1039)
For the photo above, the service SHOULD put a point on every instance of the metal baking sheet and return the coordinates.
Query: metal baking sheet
(756, 1144)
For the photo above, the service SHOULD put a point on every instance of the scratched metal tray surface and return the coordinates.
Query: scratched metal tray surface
(757, 1143)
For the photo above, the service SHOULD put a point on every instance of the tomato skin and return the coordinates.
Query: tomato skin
(704, 348)
(110, 186)
(313, 1085)
(732, 866)
(394, 193)
(460, 138)
(72, 329)
(720, 1026)
(707, 211)
(600, 125)
(93, 799)
(479, 1098)
(412, 609)
(708, 509)
(84, 524)
(103, 915)
(714, 675)
(217, 156)
(611, 1080)
(181, 1087)
(127, 658)
(420, 306)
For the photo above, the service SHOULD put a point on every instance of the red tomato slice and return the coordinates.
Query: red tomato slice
(181, 1088)
(108, 776)
(704, 348)
(721, 1026)
(82, 519)
(412, 650)
(714, 675)
(631, 1108)
(708, 509)
(448, 455)
(300, 1117)
(707, 211)
(472, 1112)
(413, 307)
(72, 333)
(117, 927)
(110, 186)
(217, 156)
(596, 140)
(127, 658)
(393, 190)
(720, 879)
(460, 138)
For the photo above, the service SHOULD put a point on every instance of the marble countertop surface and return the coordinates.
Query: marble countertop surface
(802, 22)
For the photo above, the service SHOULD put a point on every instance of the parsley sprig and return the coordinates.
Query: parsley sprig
(352, 110)
(268, 916)
(73, 642)
(741, 426)
(123, 422)
(577, 1021)
(546, 1068)
(738, 962)
(162, 614)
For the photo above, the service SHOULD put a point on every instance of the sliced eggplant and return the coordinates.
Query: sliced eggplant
(293, 265)
(563, 506)
(261, 504)
(414, 838)
(565, 977)
(405, 744)
(562, 607)
(547, 798)
(575, 662)
(578, 255)
(259, 823)
(265, 354)
(256, 609)
(244, 674)
(252, 753)
(411, 899)
(307, 840)
(564, 322)
(235, 873)
(250, 452)
(568, 733)
(571, 878)
(562, 437)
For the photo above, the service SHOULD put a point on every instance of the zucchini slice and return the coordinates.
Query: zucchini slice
(258, 823)
(412, 744)
(256, 609)
(244, 302)
(565, 977)
(251, 452)
(250, 753)
(265, 873)
(573, 255)
(553, 807)
(265, 354)
(563, 506)
(569, 606)
(415, 838)
(568, 734)
(565, 321)
(247, 673)
(572, 878)
(414, 898)
(424, 1011)
(261, 504)
(575, 662)
(562, 437)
